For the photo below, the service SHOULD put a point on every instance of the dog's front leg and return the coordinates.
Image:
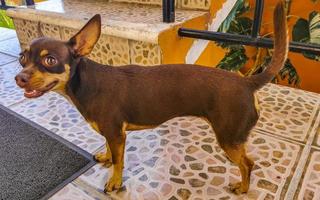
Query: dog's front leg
(105, 157)
(116, 141)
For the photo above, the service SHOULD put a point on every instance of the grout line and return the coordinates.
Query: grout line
(15, 59)
(99, 149)
(9, 54)
(302, 163)
(90, 190)
(3, 65)
(280, 137)
(16, 103)
(14, 36)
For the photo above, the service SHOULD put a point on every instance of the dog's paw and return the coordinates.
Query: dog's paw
(103, 158)
(237, 188)
(113, 184)
(108, 164)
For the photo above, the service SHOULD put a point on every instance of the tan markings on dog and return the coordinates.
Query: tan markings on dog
(115, 180)
(105, 157)
(256, 103)
(124, 128)
(27, 48)
(94, 125)
(44, 53)
(135, 127)
(39, 80)
(237, 154)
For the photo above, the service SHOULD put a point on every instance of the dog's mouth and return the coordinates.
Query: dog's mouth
(38, 93)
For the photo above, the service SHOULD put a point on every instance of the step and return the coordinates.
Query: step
(131, 33)
(185, 4)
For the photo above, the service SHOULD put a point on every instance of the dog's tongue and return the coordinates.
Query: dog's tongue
(33, 94)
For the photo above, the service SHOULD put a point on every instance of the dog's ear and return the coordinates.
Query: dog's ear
(83, 42)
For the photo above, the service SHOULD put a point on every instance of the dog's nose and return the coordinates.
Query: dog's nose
(22, 80)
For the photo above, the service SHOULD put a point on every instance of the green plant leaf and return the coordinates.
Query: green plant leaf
(314, 27)
(300, 32)
(308, 32)
(241, 26)
(236, 24)
(5, 21)
(289, 71)
(233, 60)
(238, 9)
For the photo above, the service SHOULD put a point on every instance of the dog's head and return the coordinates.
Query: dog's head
(48, 64)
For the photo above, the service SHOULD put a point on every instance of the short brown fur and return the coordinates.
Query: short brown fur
(117, 99)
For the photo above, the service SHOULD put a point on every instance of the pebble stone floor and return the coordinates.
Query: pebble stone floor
(181, 159)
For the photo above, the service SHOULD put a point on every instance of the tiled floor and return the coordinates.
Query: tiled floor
(181, 159)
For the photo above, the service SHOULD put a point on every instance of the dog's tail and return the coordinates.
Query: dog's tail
(281, 46)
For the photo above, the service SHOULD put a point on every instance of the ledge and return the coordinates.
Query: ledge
(131, 21)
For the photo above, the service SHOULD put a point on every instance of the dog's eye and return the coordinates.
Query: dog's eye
(49, 61)
(22, 59)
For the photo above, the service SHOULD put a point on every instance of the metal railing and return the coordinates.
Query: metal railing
(168, 10)
(253, 40)
(4, 6)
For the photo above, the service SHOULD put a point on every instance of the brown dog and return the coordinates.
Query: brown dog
(116, 99)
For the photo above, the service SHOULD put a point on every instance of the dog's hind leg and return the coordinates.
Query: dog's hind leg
(232, 123)
(237, 154)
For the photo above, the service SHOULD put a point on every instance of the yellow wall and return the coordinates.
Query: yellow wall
(174, 48)
(308, 70)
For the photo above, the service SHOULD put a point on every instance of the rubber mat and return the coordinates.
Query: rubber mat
(34, 162)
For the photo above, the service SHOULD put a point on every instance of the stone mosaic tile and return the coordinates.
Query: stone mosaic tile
(143, 53)
(181, 159)
(287, 112)
(137, 22)
(116, 11)
(26, 30)
(23, 46)
(67, 33)
(9, 91)
(7, 33)
(55, 113)
(190, 4)
(309, 189)
(70, 192)
(317, 138)
(111, 50)
(108, 50)
(119, 51)
(4, 59)
(150, 2)
(50, 30)
(316, 141)
(10, 46)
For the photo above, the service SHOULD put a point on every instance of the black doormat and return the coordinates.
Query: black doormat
(35, 163)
